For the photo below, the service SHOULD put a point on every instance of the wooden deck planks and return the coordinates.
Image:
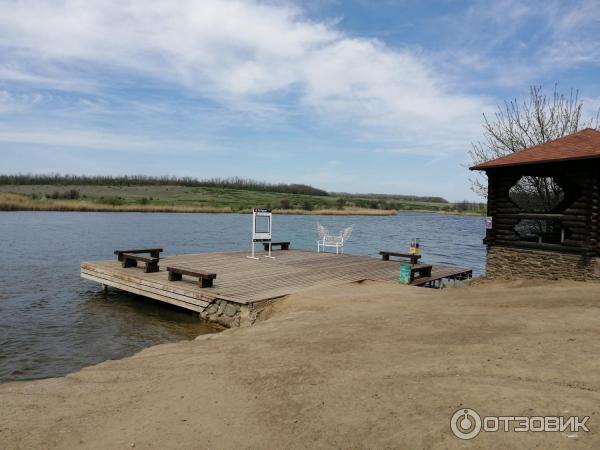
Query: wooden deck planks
(243, 280)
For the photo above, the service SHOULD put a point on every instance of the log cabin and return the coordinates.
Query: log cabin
(552, 236)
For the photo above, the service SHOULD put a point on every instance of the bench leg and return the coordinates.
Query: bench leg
(285, 247)
(205, 282)
(385, 257)
(173, 276)
(155, 254)
(129, 263)
(151, 267)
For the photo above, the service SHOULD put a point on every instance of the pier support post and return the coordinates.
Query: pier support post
(105, 290)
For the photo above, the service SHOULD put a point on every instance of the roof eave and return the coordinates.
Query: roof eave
(531, 163)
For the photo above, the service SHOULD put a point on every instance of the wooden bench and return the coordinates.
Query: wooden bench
(131, 260)
(205, 279)
(414, 259)
(154, 252)
(424, 271)
(283, 245)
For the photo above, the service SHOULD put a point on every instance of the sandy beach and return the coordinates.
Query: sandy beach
(369, 365)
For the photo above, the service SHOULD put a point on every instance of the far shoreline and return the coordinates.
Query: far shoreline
(10, 201)
(183, 210)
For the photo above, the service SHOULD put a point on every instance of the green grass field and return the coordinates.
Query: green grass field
(210, 197)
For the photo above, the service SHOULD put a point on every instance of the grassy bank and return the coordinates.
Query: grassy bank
(20, 202)
(177, 198)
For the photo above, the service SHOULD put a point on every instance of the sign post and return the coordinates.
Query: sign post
(261, 228)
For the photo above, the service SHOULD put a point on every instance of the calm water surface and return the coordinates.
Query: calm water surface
(52, 322)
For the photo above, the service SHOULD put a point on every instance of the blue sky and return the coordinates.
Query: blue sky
(355, 96)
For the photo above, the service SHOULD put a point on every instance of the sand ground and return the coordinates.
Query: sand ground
(371, 365)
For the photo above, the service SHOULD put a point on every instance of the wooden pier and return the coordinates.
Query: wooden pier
(245, 283)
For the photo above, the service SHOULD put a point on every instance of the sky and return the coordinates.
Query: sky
(348, 96)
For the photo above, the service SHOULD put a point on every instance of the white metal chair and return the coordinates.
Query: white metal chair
(327, 239)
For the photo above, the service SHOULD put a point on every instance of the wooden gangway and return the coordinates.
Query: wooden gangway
(245, 281)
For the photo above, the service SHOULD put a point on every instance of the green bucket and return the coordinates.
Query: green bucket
(405, 273)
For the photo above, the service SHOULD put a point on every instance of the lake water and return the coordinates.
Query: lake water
(52, 322)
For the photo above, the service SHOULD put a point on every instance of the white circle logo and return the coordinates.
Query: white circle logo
(465, 424)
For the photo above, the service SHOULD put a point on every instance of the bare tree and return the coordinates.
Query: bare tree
(518, 125)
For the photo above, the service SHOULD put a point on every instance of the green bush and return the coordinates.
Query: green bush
(115, 201)
(306, 205)
(71, 194)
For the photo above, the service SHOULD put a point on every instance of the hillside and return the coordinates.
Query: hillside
(190, 195)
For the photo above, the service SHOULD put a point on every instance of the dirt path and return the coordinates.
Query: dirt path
(369, 365)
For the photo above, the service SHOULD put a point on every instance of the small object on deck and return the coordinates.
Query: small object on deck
(205, 279)
(405, 274)
(414, 247)
(154, 252)
(414, 259)
(131, 260)
(283, 245)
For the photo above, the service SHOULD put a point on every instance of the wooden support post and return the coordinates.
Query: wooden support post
(174, 276)
(127, 262)
(205, 282)
(151, 267)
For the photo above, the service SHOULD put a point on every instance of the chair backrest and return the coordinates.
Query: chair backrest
(330, 239)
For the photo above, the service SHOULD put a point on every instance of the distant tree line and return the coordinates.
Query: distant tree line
(466, 206)
(392, 197)
(144, 180)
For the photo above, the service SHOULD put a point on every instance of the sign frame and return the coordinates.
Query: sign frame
(259, 233)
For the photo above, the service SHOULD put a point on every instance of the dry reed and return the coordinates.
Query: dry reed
(17, 202)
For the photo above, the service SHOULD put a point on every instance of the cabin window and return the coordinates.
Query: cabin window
(537, 194)
(541, 231)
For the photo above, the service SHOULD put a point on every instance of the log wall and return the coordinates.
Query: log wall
(578, 212)
(578, 257)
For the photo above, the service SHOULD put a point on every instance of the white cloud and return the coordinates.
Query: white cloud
(511, 44)
(95, 140)
(242, 54)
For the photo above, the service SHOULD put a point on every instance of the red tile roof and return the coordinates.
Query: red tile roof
(584, 144)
